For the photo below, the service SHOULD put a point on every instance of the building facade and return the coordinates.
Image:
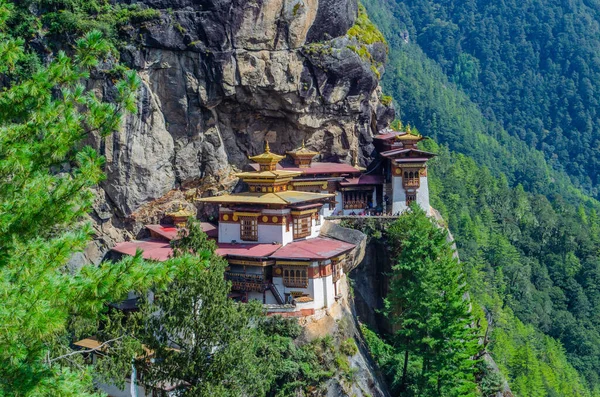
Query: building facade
(270, 232)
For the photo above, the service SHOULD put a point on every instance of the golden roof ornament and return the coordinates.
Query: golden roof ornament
(180, 216)
(267, 160)
(355, 161)
(302, 156)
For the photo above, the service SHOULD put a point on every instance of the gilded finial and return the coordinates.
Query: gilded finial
(303, 144)
(267, 148)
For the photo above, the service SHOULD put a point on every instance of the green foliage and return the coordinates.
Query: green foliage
(363, 30)
(528, 260)
(219, 347)
(60, 17)
(45, 181)
(426, 302)
(532, 65)
(527, 236)
(386, 100)
(348, 347)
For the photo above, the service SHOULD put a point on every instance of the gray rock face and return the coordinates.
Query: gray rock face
(222, 76)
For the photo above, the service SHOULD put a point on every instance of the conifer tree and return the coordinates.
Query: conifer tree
(45, 181)
(198, 336)
(428, 305)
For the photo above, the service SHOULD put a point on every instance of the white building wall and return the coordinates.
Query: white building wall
(398, 196)
(229, 232)
(328, 291)
(325, 211)
(318, 292)
(314, 228)
(423, 195)
(278, 283)
(272, 233)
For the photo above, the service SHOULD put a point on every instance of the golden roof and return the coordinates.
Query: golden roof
(409, 137)
(267, 157)
(181, 212)
(302, 151)
(280, 198)
(268, 174)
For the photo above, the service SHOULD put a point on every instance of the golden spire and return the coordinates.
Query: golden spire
(267, 160)
(355, 161)
(302, 156)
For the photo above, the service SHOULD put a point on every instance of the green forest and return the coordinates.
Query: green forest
(475, 78)
(507, 92)
(531, 66)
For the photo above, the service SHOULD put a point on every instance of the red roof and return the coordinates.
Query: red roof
(247, 250)
(171, 232)
(405, 152)
(152, 249)
(363, 180)
(386, 136)
(317, 248)
(411, 160)
(317, 168)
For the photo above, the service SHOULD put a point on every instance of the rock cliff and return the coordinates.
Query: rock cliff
(219, 77)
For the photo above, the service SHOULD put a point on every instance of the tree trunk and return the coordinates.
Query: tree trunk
(404, 371)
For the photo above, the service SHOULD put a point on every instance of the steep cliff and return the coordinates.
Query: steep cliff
(219, 78)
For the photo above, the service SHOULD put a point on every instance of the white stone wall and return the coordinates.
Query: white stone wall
(318, 288)
(267, 233)
(398, 195)
(339, 207)
(273, 233)
(229, 232)
(423, 195)
(328, 291)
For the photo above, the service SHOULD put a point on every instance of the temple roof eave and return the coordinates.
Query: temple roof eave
(281, 198)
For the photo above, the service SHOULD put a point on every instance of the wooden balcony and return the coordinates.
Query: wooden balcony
(295, 283)
(412, 182)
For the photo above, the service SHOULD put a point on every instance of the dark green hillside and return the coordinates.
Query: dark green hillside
(529, 236)
(532, 66)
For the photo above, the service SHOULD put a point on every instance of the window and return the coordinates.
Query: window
(357, 200)
(302, 226)
(295, 277)
(249, 228)
(336, 269)
(410, 197)
(411, 178)
(318, 218)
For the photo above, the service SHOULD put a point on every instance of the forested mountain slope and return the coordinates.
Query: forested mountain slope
(527, 236)
(531, 65)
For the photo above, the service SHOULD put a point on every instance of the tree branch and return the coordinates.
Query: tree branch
(85, 351)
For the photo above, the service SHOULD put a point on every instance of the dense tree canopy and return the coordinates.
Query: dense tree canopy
(45, 181)
(427, 302)
(516, 219)
(530, 65)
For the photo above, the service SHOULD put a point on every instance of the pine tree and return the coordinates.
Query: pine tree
(45, 181)
(196, 333)
(429, 307)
